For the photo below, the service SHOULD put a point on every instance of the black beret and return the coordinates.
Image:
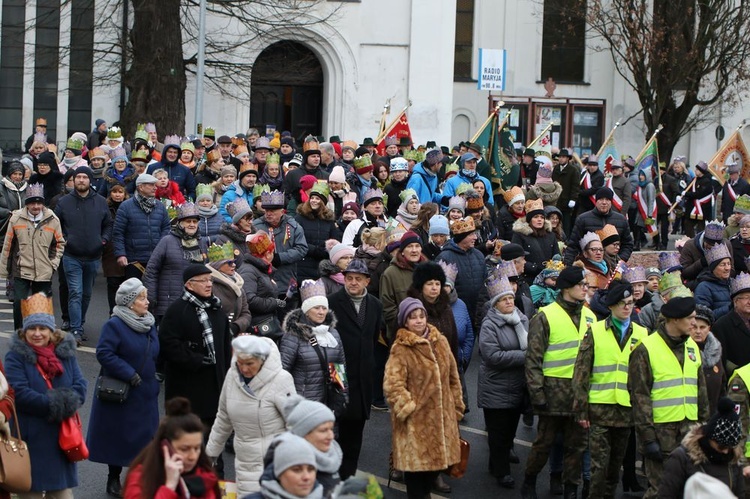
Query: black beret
(570, 276)
(617, 291)
(677, 308)
(193, 270)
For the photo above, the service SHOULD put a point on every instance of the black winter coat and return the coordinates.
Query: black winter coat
(594, 220)
(393, 191)
(86, 224)
(260, 289)
(183, 351)
(319, 228)
(569, 179)
(734, 337)
(739, 253)
(359, 342)
(505, 221)
(540, 248)
(703, 187)
(584, 199)
(727, 203)
(471, 272)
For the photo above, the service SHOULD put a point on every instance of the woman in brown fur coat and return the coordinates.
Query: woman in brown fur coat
(423, 390)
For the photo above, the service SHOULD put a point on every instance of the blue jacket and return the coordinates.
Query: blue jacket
(425, 183)
(122, 352)
(86, 224)
(40, 410)
(291, 247)
(713, 293)
(471, 272)
(452, 184)
(177, 172)
(209, 228)
(135, 233)
(234, 191)
(464, 328)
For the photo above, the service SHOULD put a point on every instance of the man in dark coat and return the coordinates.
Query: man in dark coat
(360, 317)
(592, 179)
(195, 342)
(732, 329)
(664, 200)
(733, 188)
(596, 219)
(567, 175)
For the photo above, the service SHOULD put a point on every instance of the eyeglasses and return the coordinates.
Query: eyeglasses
(596, 250)
(583, 284)
(623, 303)
(201, 281)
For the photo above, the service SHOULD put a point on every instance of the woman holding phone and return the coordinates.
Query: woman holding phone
(174, 462)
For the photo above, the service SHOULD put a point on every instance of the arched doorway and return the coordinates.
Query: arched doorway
(287, 89)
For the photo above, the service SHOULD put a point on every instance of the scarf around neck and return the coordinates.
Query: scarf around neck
(138, 323)
(205, 322)
(191, 250)
(146, 204)
(208, 212)
(513, 319)
(47, 360)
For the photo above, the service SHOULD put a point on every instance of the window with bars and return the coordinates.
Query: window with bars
(564, 40)
(464, 47)
(11, 73)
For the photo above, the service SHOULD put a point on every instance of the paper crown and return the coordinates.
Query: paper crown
(38, 303)
(474, 201)
(213, 155)
(41, 122)
(238, 141)
(187, 210)
(247, 168)
(140, 132)
(608, 234)
(139, 156)
(398, 164)
(372, 195)
(717, 253)
(98, 152)
(272, 199)
(259, 243)
(35, 191)
(117, 152)
(310, 144)
(391, 140)
(150, 128)
(534, 205)
(742, 205)
(680, 291)
(587, 239)
(259, 189)
(451, 168)
(241, 150)
(218, 253)
(114, 133)
(669, 260)
(463, 226)
(635, 274)
(394, 233)
(362, 162)
(450, 270)
(669, 281)
(209, 132)
(513, 195)
(40, 137)
(273, 159)
(457, 203)
(203, 190)
(262, 143)
(411, 155)
(239, 205)
(321, 188)
(310, 288)
(499, 286)
(187, 146)
(714, 230)
(552, 268)
(739, 284)
(505, 268)
(172, 140)
(75, 144)
(407, 195)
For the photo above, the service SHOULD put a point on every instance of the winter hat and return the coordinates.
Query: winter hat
(703, 486)
(194, 270)
(87, 171)
(544, 173)
(406, 307)
(617, 291)
(292, 451)
(286, 140)
(361, 151)
(351, 205)
(427, 271)
(337, 175)
(408, 238)
(313, 294)
(251, 345)
(653, 271)
(357, 266)
(604, 193)
(302, 416)
(128, 292)
(145, 178)
(512, 251)
(569, 277)
(228, 169)
(702, 166)
(307, 181)
(47, 158)
(433, 157)
(705, 314)
(339, 251)
(725, 427)
(439, 225)
(457, 203)
(68, 175)
(36, 310)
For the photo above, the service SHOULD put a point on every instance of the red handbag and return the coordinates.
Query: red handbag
(70, 439)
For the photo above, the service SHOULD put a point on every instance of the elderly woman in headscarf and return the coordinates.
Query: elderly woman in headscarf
(228, 285)
(251, 404)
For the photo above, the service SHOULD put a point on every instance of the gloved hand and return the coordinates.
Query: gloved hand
(652, 451)
(280, 303)
(136, 380)
(235, 328)
(276, 262)
(207, 361)
(678, 199)
(540, 408)
(571, 204)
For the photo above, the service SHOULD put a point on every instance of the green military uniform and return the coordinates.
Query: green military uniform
(554, 338)
(664, 411)
(601, 397)
(738, 389)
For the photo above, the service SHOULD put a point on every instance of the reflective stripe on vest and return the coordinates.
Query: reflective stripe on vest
(674, 394)
(564, 339)
(744, 374)
(609, 376)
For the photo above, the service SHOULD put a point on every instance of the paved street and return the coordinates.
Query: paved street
(477, 483)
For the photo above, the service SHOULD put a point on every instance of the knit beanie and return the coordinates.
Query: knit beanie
(725, 427)
(129, 291)
(406, 307)
(228, 170)
(87, 171)
(302, 416)
(439, 225)
(292, 451)
(337, 175)
(408, 238)
(47, 158)
(351, 205)
(338, 251)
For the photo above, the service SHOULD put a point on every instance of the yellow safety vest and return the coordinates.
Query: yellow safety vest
(744, 374)
(609, 375)
(564, 340)
(674, 394)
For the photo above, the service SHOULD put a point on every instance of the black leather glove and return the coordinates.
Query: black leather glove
(280, 303)
(235, 328)
(652, 451)
(541, 408)
(276, 262)
(136, 380)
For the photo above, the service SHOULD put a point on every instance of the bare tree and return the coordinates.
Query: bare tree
(683, 58)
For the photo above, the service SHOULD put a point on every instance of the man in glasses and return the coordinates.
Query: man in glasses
(600, 385)
(553, 341)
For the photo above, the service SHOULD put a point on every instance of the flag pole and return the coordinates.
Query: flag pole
(487, 121)
(606, 141)
(546, 129)
(386, 108)
(392, 124)
(648, 142)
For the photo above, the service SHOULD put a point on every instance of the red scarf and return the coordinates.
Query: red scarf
(48, 361)
(518, 215)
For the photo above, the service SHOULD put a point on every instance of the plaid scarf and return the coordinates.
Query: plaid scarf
(200, 310)
(146, 204)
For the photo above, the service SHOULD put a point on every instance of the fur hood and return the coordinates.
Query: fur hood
(64, 350)
(326, 268)
(549, 192)
(694, 451)
(522, 227)
(323, 212)
(296, 323)
(711, 351)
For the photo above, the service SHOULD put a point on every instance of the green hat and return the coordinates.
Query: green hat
(742, 205)
(140, 132)
(335, 139)
(669, 281)
(221, 253)
(203, 191)
(74, 144)
(139, 156)
(368, 142)
(321, 190)
(209, 132)
(259, 189)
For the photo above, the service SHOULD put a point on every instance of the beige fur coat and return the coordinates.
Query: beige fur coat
(423, 390)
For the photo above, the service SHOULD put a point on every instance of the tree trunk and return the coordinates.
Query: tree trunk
(156, 79)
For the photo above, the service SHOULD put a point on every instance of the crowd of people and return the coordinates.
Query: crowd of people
(283, 289)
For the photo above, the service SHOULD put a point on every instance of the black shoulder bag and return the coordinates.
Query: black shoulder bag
(336, 398)
(109, 389)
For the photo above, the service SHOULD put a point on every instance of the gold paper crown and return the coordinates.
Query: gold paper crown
(474, 201)
(533, 205)
(362, 162)
(511, 193)
(240, 150)
(463, 226)
(607, 231)
(213, 155)
(310, 144)
(38, 303)
(218, 253)
(556, 265)
(238, 141)
(273, 159)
